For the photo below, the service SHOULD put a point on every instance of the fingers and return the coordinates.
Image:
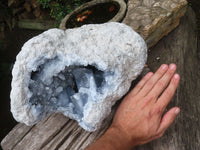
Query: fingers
(169, 92)
(163, 82)
(141, 84)
(152, 81)
(152, 85)
(167, 120)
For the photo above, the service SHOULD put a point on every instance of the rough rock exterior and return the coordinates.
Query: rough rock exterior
(153, 19)
(79, 72)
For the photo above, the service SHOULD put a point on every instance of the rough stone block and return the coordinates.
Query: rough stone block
(153, 19)
(79, 72)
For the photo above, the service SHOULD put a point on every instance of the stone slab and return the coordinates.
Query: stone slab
(153, 19)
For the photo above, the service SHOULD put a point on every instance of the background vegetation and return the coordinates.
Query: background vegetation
(59, 8)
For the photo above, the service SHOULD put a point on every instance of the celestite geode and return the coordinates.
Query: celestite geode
(79, 72)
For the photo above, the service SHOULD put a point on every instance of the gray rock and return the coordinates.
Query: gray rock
(79, 72)
(153, 19)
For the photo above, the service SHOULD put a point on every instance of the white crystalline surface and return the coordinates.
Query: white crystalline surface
(79, 72)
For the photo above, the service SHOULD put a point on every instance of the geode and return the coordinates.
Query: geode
(79, 72)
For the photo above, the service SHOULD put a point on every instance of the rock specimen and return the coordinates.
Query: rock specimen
(79, 72)
(153, 19)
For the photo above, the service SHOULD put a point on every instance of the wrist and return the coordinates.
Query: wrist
(113, 139)
(118, 139)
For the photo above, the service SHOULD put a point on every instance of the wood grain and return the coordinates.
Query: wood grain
(180, 47)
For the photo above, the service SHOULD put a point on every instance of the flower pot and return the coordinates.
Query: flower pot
(95, 12)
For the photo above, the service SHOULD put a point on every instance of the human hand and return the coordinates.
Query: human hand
(139, 118)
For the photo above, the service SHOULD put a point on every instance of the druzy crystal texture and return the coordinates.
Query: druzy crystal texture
(79, 72)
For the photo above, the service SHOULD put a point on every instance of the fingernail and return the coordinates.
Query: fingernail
(164, 67)
(176, 76)
(172, 66)
(150, 74)
(177, 111)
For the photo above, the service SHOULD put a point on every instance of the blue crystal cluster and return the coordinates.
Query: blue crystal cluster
(66, 91)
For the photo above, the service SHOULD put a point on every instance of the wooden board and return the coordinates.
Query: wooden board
(37, 24)
(180, 47)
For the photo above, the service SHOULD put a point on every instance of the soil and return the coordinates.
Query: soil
(93, 15)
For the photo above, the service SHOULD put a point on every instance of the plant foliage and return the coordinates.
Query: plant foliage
(60, 8)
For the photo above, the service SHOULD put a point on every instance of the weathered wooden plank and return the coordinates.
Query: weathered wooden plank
(17, 134)
(42, 133)
(180, 47)
(61, 137)
(36, 24)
